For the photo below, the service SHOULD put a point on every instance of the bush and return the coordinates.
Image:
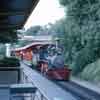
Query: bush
(83, 58)
(92, 72)
(9, 62)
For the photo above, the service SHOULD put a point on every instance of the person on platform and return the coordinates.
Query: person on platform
(35, 57)
(42, 53)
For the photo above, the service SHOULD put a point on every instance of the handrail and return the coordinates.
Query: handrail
(12, 74)
(48, 89)
(10, 68)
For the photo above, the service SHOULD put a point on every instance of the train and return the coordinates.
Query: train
(26, 55)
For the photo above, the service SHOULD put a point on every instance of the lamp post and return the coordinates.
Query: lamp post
(8, 50)
(57, 42)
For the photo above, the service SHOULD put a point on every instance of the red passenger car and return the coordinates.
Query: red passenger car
(59, 74)
(62, 73)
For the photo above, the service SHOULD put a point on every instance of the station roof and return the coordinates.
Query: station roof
(14, 13)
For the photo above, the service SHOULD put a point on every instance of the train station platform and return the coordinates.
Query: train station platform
(46, 90)
(4, 92)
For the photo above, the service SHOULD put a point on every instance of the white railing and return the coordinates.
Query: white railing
(38, 95)
(47, 90)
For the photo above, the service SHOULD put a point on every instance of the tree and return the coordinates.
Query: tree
(8, 36)
(33, 30)
(82, 31)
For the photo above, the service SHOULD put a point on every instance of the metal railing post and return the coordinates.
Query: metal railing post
(42, 97)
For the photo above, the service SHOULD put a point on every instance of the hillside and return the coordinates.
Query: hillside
(92, 72)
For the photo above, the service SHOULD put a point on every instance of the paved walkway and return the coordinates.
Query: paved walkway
(4, 93)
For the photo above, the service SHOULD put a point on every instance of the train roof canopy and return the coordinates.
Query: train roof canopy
(14, 13)
(34, 44)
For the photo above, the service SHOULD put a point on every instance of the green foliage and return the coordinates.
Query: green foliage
(92, 72)
(57, 29)
(33, 30)
(9, 62)
(8, 37)
(82, 32)
(84, 57)
(65, 2)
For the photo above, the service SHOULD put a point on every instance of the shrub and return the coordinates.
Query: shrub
(9, 62)
(83, 58)
(92, 72)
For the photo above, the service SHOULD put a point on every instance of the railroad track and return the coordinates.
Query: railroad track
(81, 93)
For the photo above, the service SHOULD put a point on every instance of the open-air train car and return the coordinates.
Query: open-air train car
(25, 54)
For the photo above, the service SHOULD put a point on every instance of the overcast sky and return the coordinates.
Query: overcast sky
(45, 12)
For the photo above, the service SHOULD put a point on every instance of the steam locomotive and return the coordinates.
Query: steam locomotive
(32, 52)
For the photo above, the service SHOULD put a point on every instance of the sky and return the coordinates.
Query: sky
(47, 11)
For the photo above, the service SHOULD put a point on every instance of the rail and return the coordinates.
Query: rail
(46, 89)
